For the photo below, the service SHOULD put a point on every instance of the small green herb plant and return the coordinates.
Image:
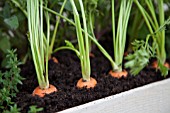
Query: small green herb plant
(39, 43)
(34, 109)
(9, 81)
(13, 109)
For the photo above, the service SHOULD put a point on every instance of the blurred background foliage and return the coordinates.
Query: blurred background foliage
(13, 26)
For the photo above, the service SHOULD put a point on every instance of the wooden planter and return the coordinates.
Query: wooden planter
(151, 98)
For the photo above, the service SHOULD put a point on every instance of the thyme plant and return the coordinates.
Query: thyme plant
(9, 81)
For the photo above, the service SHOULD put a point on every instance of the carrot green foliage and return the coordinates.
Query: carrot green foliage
(93, 39)
(143, 52)
(21, 4)
(154, 21)
(83, 42)
(90, 7)
(13, 109)
(140, 58)
(119, 36)
(83, 39)
(83, 52)
(38, 41)
(56, 29)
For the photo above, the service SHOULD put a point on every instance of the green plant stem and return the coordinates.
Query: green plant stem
(83, 46)
(91, 19)
(87, 59)
(56, 28)
(63, 48)
(20, 7)
(47, 46)
(41, 35)
(113, 24)
(145, 17)
(136, 25)
(113, 64)
(35, 25)
(151, 8)
(79, 37)
(153, 26)
(162, 40)
(120, 39)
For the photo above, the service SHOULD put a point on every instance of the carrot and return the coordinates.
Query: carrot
(155, 64)
(118, 74)
(91, 55)
(55, 60)
(42, 92)
(88, 84)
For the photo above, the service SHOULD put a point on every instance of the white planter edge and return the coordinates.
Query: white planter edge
(151, 98)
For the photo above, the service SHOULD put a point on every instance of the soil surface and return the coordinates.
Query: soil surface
(65, 75)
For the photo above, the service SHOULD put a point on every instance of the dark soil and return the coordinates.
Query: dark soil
(65, 75)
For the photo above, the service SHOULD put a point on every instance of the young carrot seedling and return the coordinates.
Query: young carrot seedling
(83, 43)
(39, 45)
(71, 47)
(153, 23)
(143, 52)
(119, 36)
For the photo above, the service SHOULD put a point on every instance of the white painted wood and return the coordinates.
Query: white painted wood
(151, 98)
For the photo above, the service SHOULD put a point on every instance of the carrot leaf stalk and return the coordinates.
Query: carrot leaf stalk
(83, 42)
(92, 38)
(39, 46)
(119, 36)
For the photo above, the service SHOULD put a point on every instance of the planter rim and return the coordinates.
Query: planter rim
(122, 94)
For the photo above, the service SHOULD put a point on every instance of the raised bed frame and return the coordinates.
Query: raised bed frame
(151, 98)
